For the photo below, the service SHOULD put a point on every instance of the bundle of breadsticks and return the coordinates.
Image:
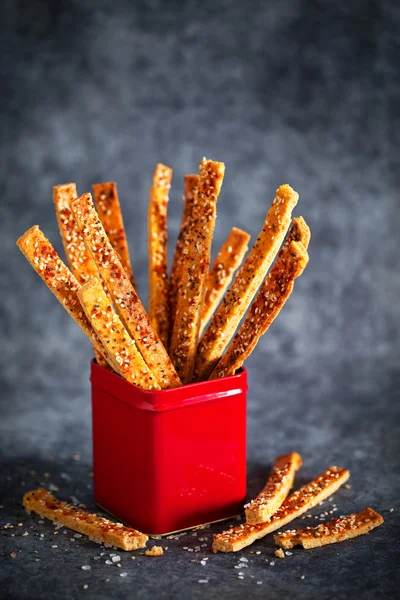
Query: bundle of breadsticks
(273, 508)
(196, 326)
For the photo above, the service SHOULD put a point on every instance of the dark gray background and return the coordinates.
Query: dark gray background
(304, 92)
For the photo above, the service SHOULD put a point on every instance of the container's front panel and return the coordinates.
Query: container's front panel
(201, 475)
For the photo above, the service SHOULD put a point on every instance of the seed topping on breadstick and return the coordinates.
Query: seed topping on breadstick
(110, 214)
(246, 283)
(158, 252)
(124, 295)
(195, 268)
(331, 532)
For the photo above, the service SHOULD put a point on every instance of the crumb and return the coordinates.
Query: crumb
(302, 577)
(279, 553)
(13, 555)
(155, 551)
(347, 486)
(391, 510)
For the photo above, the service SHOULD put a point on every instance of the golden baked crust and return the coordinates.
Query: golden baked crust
(44, 504)
(247, 280)
(110, 214)
(228, 259)
(195, 268)
(158, 252)
(127, 302)
(79, 260)
(337, 530)
(299, 502)
(190, 185)
(271, 297)
(39, 252)
(114, 336)
(278, 485)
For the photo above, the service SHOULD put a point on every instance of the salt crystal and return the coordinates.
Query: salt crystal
(86, 567)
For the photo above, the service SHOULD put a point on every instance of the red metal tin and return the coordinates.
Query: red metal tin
(171, 459)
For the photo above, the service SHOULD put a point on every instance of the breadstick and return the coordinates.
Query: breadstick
(43, 503)
(337, 530)
(276, 489)
(190, 184)
(248, 279)
(229, 258)
(126, 300)
(158, 255)
(44, 259)
(299, 502)
(110, 214)
(195, 267)
(114, 336)
(276, 289)
(79, 260)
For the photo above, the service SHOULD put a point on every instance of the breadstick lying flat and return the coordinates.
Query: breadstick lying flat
(299, 502)
(109, 211)
(44, 259)
(248, 279)
(126, 300)
(158, 252)
(79, 260)
(44, 504)
(276, 489)
(195, 268)
(337, 530)
(114, 336)
(276, 289)
(229, 258)
(190, 184)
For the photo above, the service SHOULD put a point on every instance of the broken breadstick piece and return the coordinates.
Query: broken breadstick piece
(276, 489)
(271, 298)
(79, 260)
(155, 551)
(331, 532)
(127, 302)
(195, 268)
(110, 214)
(228, 259)
(246, 283)
(190, 184)
(158, 252)
(43, 503)
(114, 336)
(39, 252)
(296, 504)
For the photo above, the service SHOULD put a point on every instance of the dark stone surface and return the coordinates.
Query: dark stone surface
(296, 91)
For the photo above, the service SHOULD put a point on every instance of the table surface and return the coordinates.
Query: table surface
(281, 91)
(352, 431)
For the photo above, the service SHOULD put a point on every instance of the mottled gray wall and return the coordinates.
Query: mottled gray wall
(282, 91)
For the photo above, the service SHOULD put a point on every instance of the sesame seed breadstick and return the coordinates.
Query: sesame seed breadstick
(299, 502)
(114, 336)
(158, 255)
(79, 260)
(195, 268)
(276, 489)
(110, 214)
(43, 503)
(39, 252)
(190, 184)
(337, 530)
(248, 279)
(271, 298)
(228, 259)
(126, 300)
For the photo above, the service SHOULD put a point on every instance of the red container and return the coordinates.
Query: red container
(171, 459)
